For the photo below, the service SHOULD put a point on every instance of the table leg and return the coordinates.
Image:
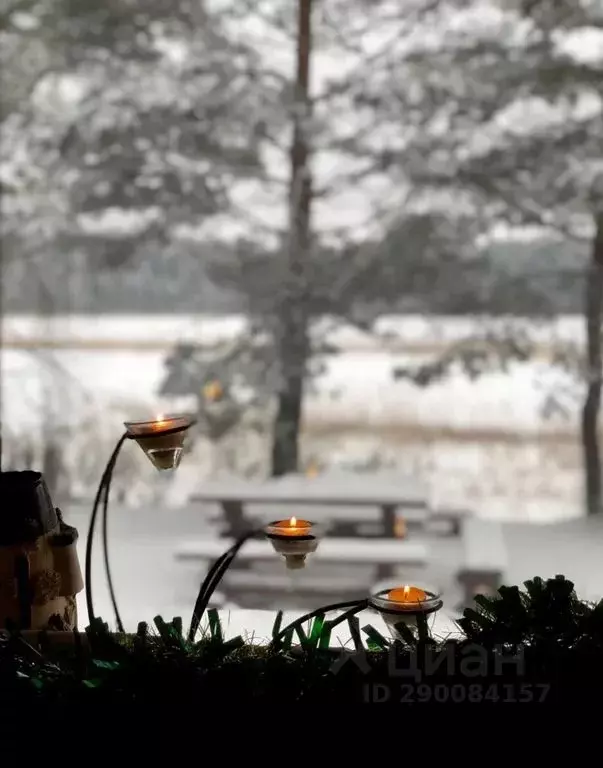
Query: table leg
(388, 516)
(233, 514)
(385, 572)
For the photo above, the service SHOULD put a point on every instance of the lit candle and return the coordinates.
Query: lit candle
(293, 527)
(162, 439)
(404, 605)
(159, 424)
(294, 539)
(407, 594)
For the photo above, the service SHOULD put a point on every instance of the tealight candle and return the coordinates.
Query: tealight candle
(160, 424)
(162, 439)
(294, 539)
(403, 605)
(407, 595)
(293, 527)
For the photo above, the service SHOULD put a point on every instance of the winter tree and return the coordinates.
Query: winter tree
(502, 107)
(127, 137)
(334, 235)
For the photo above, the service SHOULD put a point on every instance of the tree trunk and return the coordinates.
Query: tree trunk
(594, 372)
(292, 342)
(2, 287)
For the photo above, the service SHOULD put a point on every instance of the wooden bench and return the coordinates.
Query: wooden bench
(242, 581)
(384, 554)
(485, 558)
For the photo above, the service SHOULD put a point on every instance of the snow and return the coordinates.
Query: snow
(585, 45)
(167, 329)
(357, 384)
(208, 329)
(485, 444)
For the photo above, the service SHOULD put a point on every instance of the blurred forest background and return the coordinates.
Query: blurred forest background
(295, 160)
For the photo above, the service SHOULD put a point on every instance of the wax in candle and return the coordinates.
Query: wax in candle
(407, 595)
(138, 429)
(293, 527)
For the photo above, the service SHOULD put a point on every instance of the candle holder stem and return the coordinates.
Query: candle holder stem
(102, 495)
(164, 447)
(213, 578)
(353, 606)
(284, 544)
(105, 539)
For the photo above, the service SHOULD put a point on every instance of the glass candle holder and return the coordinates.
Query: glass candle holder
(293, 539)
(162, 440)
(403, 605)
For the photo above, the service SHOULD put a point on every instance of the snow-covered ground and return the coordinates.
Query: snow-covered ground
(164, 330)
(484, 443)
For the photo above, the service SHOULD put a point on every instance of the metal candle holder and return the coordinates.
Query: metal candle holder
(162, 441)
(292, 541)
(296, 548)
(293, 546)
(395, 612)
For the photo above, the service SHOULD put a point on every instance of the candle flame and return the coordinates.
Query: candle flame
(407, 594)
(293, 522)
(160, 423)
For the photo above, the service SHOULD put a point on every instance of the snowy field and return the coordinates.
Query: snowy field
(488, 443)
(165, 330)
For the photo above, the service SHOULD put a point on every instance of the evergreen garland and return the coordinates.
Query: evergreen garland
(558, 636)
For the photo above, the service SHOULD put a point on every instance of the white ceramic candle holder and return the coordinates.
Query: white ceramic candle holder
(395, 611)
(161, 440)
(294, 540)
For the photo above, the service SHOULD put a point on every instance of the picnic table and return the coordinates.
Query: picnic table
(344, 503)
(349, 503)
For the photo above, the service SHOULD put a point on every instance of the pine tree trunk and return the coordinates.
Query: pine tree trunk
(2, 288)
(594, 372)
(293, 348)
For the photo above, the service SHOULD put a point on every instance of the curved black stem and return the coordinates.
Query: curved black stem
(356, 605)
(102, 494)
(216, 574)
(213, 578)
(105, 539)
(105, 481)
